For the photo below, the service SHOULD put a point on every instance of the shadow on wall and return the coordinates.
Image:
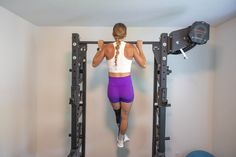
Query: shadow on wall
(110, 119)
(138, 78)
(99, 77)
(200, 58)
(122, 152)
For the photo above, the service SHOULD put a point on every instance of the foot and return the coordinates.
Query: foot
(120, 142)
(126, 138)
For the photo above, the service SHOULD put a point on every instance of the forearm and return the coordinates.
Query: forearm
(142, 57)
(97, 59)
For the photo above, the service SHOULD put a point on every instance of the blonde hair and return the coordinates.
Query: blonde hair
(119, 32)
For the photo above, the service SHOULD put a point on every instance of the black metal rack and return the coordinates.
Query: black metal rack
(78, 98)
(176, 42)
(161, 70)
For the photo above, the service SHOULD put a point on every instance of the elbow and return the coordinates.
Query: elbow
(144, 65)
(94, 65)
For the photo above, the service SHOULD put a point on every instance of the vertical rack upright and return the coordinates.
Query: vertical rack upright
(78, 98)
(161, 70)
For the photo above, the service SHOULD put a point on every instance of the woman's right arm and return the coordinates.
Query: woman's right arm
(139, 55)
(97, 59)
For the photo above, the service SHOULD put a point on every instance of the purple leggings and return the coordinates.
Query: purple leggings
(120, 89)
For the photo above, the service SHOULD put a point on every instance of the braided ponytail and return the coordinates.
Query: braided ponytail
(119, 32)
(117, 50)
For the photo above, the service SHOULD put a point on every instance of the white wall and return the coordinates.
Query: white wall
(224, 143)
(190, 91)
(17, 90)
(35, 88)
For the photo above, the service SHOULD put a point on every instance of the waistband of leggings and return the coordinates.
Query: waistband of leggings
(123, 77)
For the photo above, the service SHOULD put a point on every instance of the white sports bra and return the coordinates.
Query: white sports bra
(123, 64)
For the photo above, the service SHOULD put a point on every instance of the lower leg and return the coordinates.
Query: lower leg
(124, 124)
(125, 108)
(122, 133)
(118, 116)
(122, 137)
(117, 109)
(123, 127)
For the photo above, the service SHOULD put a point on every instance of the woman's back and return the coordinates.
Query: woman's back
(110, 51)
(119, 60)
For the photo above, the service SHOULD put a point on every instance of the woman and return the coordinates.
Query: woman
(119, 57)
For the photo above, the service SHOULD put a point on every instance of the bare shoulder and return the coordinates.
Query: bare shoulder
(129, 47)
(109, 50)
(108, 46)
(129, 50)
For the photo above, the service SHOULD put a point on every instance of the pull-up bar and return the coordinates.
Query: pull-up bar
(107, 42)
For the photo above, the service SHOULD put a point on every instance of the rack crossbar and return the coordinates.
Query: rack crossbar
(107, 42)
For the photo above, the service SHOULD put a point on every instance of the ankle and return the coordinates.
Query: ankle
(121, 136)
